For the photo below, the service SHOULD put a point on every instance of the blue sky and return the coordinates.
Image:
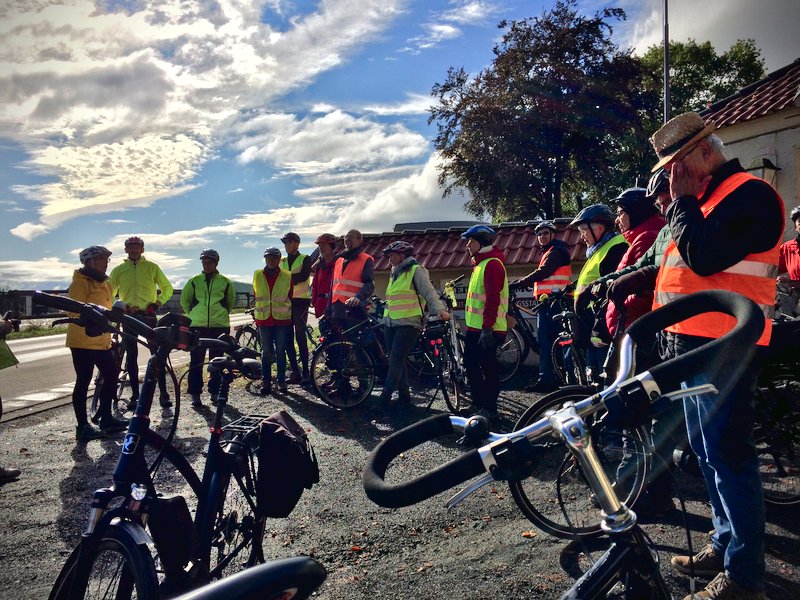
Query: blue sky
(225, 123)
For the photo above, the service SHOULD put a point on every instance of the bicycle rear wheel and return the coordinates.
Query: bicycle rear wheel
(342, 373)
(247, 336)
(777, 435)
(509, 355)
(556, 473)
(572, 371)
(120, 569)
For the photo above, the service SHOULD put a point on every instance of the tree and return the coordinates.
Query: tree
(555, 110)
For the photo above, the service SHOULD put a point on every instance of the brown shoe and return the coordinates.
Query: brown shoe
(723, 587)
(707, 563)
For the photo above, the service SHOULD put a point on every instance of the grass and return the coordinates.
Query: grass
(36, 329)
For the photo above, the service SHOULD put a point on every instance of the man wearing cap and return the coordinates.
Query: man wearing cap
(553, 274)
(299, 265)
(142, 286)
(726, 227)
(353, 280)
(207, 299)
(272, 287)
(323, 273)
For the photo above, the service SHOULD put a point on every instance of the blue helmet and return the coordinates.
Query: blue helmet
(483, 234)
(596, 213)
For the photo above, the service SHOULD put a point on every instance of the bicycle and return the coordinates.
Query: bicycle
(629, 568)
(113, 553)
(247, 335)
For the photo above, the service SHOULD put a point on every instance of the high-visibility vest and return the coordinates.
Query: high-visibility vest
(556, 281)
(753, 277)
(591, 269)
(273, 303)
(476, 299)
(302, 289)
(347, 281)
(402, 301)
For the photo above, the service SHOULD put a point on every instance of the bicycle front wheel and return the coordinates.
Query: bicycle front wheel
(509, 355)
(556, 497)
(119, 568)
(342, 373)
(247, 336)
(452, 379)
(572, 370)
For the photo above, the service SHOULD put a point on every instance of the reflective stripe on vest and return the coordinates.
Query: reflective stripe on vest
(558, 280)
(275, 303)
(348, 282)
(476, 299)
(302, 289)
(591, 270)
(402, 301)
(754, 277)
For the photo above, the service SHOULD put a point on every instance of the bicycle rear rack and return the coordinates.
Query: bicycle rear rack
(245, 426)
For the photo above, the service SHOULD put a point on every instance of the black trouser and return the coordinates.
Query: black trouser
(85, 361)
(132, 356)
(197, 358)
(298, 333)
(483, 372)
(399, 342)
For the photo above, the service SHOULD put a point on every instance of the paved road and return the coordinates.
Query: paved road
(44, 376)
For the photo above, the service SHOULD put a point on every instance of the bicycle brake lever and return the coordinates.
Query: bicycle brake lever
(472, 487)
(706, 388)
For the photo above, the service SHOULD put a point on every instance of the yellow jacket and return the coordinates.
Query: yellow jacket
(87, 289)
(136, 283)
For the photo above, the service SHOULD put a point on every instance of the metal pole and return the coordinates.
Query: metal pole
(666, 62)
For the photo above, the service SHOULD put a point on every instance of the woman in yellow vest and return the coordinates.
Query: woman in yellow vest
(485, 315)
(272, 287)
(409, 290)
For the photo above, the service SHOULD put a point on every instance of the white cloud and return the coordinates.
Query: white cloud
(471, 12)
(414, 104)
(446, 25)
(16, 273)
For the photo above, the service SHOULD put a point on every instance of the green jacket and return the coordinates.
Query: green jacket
(136, 284)
(207, 302)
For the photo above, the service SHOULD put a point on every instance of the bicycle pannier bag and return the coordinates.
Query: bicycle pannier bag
(286, 465)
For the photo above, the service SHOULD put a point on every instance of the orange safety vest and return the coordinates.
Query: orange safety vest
(348, 282)
(558, 280)
(753, 277)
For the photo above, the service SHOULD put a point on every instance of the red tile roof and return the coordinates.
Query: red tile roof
(775, 92)
(444, 248)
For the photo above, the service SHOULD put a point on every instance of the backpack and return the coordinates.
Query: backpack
(286, 465)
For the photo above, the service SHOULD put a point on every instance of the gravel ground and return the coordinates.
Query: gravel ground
(481, 549)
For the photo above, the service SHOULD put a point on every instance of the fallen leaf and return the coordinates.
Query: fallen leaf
(529, 534)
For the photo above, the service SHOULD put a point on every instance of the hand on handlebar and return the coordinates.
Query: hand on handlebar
(353, 302)
(444, 315)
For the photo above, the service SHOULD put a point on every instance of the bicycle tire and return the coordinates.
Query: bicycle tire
(171, 390)
(342, 373)
(777, 437)
(452, 381)
(554, 466)
(247, 336)
(119, 564)
(509, 356)
(178, 469)
(574, 376)
(237, 527)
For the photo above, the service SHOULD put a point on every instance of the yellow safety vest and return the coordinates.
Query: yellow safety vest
(476, 299)
(591, 270)
(302, 289)
(274, 303)
(402, 301)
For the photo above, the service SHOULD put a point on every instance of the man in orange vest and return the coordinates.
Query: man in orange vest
(553, 274)
(726, 230)
(352, 285)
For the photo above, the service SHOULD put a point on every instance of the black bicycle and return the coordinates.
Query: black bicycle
(125, 518)
(629, 568)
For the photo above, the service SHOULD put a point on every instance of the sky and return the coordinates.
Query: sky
(226, 123)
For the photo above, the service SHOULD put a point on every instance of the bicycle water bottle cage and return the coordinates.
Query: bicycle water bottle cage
(629, 407)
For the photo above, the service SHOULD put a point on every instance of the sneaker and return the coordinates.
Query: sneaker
(87, 432)
(109, 424)
(707, 563)
(282, 387)
(294, 377)
(164, 401)
(195, 398)
(132, 403)
(8, 474)
(723, 587)
(265, 390)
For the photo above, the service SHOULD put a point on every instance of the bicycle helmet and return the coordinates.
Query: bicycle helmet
(596, 213)
(291, 237)
(658, 184)
(272, 252)
(134, 240)
(209, 253)
(795, 214)
(326, 238)
(546, 225)
(400, 247)
(483, 234)
(93, 252)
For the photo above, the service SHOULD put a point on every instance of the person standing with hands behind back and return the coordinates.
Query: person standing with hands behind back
(485, 315)
(207, 299)
(137, 281)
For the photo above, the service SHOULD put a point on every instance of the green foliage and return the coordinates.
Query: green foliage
(33, 329)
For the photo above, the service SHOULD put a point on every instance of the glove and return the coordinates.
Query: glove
(151, 308)
(582, 300)
(599, 288)
(487, 341)
(94, 330)
(632, 283)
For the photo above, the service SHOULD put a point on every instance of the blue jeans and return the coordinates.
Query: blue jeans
(274, 340)
(721, 434)
(546, 336)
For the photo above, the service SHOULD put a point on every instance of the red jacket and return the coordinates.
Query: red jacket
(789, 259)
(640, 239)
(494, 277)
(321, 286)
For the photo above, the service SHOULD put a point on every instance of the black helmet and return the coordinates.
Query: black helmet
(546, 225)
(636, 204)
(483, 234)
(596, 213)
(210, 253)
(658, 184)
(400, 247)
(795, 213)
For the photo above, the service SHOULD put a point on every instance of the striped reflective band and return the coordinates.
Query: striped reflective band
(663, 298)
(744, 267)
